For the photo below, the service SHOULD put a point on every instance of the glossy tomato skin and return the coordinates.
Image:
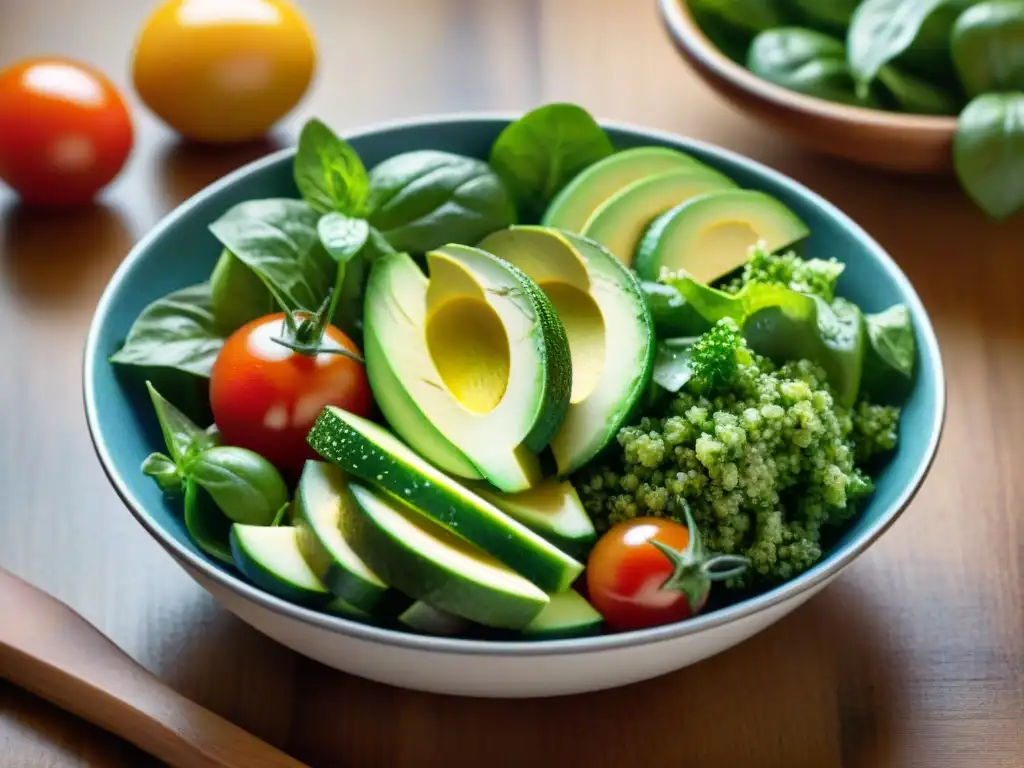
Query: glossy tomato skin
(223, 70)
(266, 397)
(625, 573)
(65, 131)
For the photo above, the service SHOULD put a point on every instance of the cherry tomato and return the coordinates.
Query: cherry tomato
(633, 583)
(223, 70)
(265, 396)
(65, 131)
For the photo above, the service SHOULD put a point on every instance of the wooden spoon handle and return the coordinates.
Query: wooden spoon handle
(49, 649)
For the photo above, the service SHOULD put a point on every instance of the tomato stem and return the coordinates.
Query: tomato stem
(306, 338)
(693, 570)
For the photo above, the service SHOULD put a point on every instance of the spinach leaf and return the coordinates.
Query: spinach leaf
(988, 152)
(748, 16)
(424, 199)
(206, 526)
(913, 95)
(328, 172)
(806, 61)
(828, 15)
(238, 295)
(882, 30)
(987, 44)
(672, 367)
(177, 331)
(277, 239)
(543, 150)
(889, 357)
(245, 486)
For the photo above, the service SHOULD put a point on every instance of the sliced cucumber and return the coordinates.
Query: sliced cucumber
(338, 607)
(321, 501)
(568, 614)
(428, 562)
(372, 453)
(425, 618)
(553, 509)
(271, 559)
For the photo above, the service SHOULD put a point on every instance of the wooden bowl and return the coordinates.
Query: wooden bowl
(887, 140)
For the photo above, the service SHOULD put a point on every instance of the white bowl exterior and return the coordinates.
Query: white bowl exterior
(498, 676)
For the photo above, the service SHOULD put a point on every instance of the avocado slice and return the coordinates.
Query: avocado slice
(270, 558)
(609, 325)
(479, 351)
(428, 562)
(553, 510)
(375, 455)
(584, 194)
(710, 235)
(567, 614)
(321, 501)
(620, 221)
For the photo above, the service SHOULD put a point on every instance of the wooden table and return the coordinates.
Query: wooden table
(915, 657)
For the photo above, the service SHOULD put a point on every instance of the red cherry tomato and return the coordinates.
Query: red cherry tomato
(65, 131)
(634, 584)
(265, 396)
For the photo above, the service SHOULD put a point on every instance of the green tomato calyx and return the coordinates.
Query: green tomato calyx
(693, 568)
(305, 334)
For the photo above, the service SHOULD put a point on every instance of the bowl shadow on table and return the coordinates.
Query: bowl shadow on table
(187, 167)
(58, 261)
(813, 690)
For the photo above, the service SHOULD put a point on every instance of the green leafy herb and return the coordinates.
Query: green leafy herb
(177, 331)
(805, 61)
(238, 295)
(424, 199)
(277, 239)
(207, 527)
(672, 365)
(987, 45)
(342, 236)
(329, 173)
(883, 30)
(889, 358)
(749, 16)
(182, 436)
(988, 152)
(164, 471)
(543, 150)
(828, 15)
(245, 486)
(911, 94)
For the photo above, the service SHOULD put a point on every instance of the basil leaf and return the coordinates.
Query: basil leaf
(177, 331)
(163, 471)
(342, 236)
(238, 295)
(206, 526)
(424, 199)
(882, 30)
(672, 367)
(328, 172)
(916, 96)
(988, 152)
(987, 45)
(180, 433)
(348, 315)
(805, 61)
(277, 239)
(829, 15)
(889, 356)
(245, 486)
(543, 150)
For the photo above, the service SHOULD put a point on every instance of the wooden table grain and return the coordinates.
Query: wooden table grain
(915, 657)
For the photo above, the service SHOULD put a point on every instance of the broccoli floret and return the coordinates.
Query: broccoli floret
(763, 454)
(814, 276)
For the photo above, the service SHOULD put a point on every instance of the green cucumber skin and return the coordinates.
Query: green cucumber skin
(341, 582)
(329, 437)
(564, 633)
(422, 579)
(269, 582)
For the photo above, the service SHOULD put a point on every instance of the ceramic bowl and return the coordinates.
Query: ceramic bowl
(180, 251)
(887, 140)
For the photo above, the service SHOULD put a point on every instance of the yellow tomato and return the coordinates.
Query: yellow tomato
(223, 70)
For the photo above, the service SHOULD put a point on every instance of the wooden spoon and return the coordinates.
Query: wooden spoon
(50, 650)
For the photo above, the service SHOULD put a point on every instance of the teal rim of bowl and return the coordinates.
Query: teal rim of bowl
(830, 564)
